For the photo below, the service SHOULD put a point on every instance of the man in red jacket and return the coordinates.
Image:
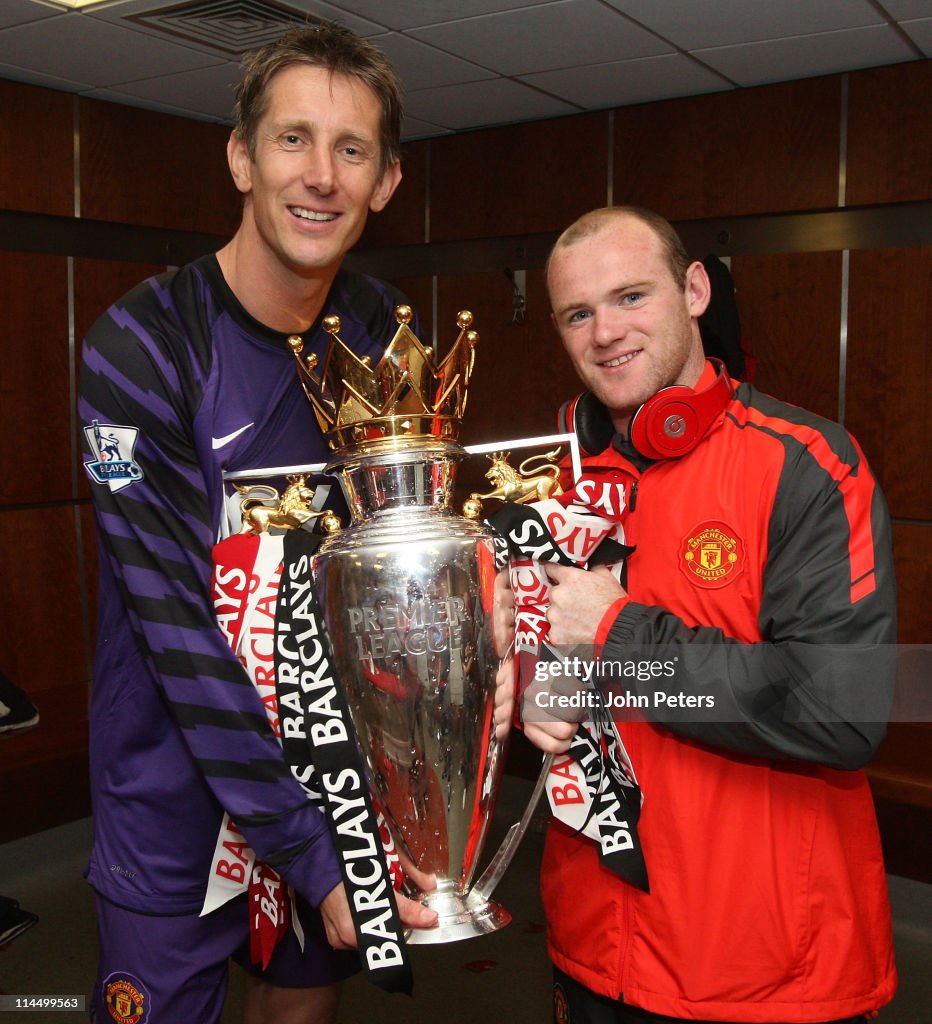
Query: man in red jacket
(761, 582)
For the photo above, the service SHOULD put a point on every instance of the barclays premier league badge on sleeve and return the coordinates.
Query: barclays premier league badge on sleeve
(113, 447)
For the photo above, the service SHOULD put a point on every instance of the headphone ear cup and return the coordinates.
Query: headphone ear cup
(666, 426)
(676, 419)
(588, 418)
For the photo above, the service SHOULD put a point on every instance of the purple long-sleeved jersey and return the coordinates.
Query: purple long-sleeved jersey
(178, 385)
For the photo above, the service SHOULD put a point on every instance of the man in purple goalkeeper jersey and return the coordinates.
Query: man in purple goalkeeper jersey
(186, 377)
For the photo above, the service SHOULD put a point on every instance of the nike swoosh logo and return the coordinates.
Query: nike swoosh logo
(222, 442)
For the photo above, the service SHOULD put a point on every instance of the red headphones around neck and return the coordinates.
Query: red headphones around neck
(667, 426)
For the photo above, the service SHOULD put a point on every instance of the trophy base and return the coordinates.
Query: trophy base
(461, 917)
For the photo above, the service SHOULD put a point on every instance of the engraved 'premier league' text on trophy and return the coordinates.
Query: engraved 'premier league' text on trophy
(406, 592)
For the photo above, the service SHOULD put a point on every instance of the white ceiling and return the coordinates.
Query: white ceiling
(464, 63)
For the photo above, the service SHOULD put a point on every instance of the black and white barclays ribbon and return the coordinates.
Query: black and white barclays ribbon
(319, 742)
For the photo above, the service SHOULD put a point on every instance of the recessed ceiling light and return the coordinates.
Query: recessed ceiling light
(78, 4)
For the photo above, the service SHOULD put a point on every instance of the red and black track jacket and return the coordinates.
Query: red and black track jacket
(763, 568)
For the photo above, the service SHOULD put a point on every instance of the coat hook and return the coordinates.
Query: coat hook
(518, 280)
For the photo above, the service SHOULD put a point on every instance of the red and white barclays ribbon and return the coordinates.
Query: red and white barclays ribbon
(593, 789)
(246, 583)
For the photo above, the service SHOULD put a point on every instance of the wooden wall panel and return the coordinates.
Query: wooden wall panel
(519, 179)
(97, 284)
(522, 373)
(402, 222)
(419, 292)
(889, 374)
(44, 772)
(912, 551)
(748, 151)
(36, 149)
(143, 167)
(41, 626)
(889, 134)
(901, 771)
(46, 791)
(790, 309)
(34, 379)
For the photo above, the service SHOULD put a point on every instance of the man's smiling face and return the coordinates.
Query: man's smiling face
(627, 325)
(315, 173)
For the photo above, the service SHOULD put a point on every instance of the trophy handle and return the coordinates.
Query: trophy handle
(505, 853)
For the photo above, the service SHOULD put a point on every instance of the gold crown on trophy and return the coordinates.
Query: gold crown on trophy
(404, 400)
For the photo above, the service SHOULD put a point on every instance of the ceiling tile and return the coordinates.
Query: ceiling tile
(206, 92)
(631, 81)
(402, 14)
(412, 128)
(93, 53)
(920, 31)
(692, 24)
(902, 9)
(18, 12)
(780, 60)
(476, 104)
(34, 77)
(567, 33)
(351, 15)
(424, 66)
(160, 107)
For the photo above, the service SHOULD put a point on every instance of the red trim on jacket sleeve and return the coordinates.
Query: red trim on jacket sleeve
(608, 619)
(857, 494)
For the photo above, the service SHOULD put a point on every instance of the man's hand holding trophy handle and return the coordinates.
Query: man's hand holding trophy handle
(338, 921)
(503, 632)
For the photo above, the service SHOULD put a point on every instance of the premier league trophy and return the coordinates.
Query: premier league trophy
(406, 593)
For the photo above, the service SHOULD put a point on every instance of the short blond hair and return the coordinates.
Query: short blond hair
(592, 222)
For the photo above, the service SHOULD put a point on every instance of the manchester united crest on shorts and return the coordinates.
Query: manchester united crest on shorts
(712, 555)
(561, 1009)
(127, 999)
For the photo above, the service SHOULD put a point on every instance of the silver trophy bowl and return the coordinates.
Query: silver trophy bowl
(406, 591)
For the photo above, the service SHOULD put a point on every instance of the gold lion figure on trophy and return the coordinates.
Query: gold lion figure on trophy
(291, 511)
(536, 478)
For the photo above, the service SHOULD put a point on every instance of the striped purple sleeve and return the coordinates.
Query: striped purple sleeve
(141, 385)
